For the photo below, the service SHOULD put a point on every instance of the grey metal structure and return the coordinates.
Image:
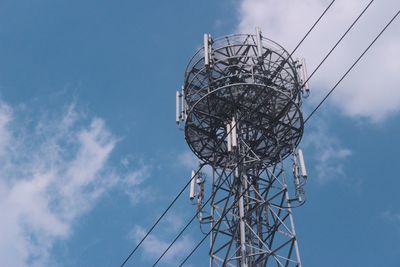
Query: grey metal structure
(241, 110)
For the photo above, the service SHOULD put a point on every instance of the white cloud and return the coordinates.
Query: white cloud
(188, 160)
(391, 216)
(327, 152)
(51, 172)
(371, 90)
(134, 183)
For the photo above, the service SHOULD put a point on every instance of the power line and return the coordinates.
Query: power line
(312, 27)
(158, 220)
(340, 80)
(338, 42)
(191, 220)
(352, 66)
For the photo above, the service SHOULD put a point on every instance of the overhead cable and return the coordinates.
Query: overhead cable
(352, 66)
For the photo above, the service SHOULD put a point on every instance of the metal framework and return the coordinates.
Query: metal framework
(241, 109)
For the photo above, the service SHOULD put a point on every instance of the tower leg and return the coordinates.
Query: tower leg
(241, 221)
(296, 246)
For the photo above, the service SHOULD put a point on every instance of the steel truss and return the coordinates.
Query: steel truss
(241, 107)
(252, 223)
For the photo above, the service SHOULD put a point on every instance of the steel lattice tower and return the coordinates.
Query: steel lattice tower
(241, 109)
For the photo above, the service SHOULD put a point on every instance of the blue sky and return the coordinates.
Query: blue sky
(90, 154)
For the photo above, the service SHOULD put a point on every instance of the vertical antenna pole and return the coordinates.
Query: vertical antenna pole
(242, 224)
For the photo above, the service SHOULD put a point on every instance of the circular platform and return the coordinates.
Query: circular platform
(261, 91)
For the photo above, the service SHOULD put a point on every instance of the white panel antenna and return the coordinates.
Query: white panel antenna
(303, 170)
(305, 75)
(234, 132)
(178, 111)
(206, 50)
(229, 136)
(192, 183)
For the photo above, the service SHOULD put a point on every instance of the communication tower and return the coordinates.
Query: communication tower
(240, 108)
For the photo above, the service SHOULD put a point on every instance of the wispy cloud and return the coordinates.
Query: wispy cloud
(154, 245)
(134, 181)
(327, 152)
(188, 160)
(391, 216)
(51, 172)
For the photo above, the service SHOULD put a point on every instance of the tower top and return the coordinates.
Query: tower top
(249, 79)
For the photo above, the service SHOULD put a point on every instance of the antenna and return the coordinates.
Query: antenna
(229, 137)
(303, 170)
(206, 50)
(305, 75)
(192, 182)
(234, 132)
(178, 111)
